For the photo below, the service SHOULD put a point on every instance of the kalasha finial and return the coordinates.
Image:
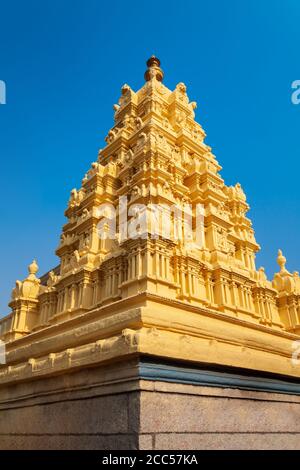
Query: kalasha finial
(281, 260)
(33, 268)
(154, 70)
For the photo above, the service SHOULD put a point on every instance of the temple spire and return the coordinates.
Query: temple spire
(153, 70)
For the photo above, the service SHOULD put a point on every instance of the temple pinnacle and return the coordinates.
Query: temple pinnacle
(33, 267)
(153, 70)
(281, 260)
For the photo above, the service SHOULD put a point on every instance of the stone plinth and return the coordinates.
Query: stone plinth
(151, 405)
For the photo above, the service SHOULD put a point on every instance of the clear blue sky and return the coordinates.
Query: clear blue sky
(64, 62)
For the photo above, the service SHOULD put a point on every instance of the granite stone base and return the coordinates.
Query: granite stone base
(130, 406)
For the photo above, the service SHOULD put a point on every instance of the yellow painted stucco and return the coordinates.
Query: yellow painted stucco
(162, 297)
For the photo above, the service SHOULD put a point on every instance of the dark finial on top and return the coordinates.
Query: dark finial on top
(154, 70)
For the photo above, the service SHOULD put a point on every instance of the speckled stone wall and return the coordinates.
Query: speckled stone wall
(113, 407)
(176, 416)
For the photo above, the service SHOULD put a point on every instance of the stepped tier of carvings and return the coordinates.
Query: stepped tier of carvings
(155, 154)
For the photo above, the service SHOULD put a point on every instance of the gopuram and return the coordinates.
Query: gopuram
(156, 330)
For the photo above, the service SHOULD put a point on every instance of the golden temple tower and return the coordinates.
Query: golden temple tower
(156, 321)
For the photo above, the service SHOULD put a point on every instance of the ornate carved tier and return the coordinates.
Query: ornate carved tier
(155, 154)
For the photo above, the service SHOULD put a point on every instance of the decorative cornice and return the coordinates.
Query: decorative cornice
(183, 374)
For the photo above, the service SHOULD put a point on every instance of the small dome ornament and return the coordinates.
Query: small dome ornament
(154, 70)
(281, 260)
(33, 268)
